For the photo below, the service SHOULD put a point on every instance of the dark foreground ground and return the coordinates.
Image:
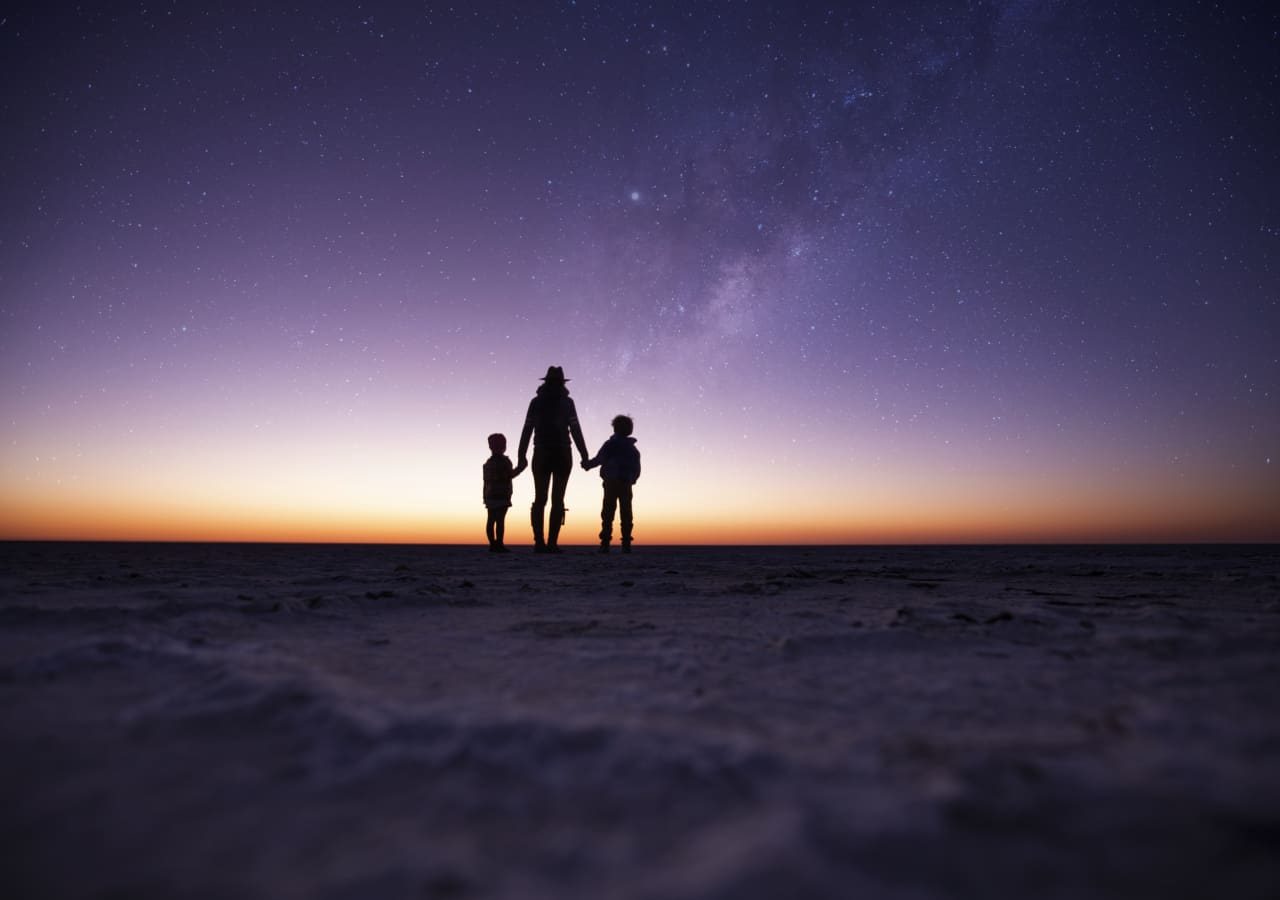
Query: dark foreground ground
(397, 722)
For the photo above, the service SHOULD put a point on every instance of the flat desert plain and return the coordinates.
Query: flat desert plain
(311, 721)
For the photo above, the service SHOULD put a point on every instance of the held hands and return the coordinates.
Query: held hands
(520, 467)
(588, 463)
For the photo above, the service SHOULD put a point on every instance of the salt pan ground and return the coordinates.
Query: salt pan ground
(402, 721)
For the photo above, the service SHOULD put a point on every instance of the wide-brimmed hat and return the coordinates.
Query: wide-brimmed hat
(555, 373)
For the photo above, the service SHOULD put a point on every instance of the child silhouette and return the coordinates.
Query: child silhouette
(619, 463)
(498, 473)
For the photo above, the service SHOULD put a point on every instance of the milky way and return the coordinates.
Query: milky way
(988, 271)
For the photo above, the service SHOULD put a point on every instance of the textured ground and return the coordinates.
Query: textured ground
(318, 721)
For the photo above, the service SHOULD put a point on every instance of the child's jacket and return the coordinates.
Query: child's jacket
(497, 481)
(619, 459)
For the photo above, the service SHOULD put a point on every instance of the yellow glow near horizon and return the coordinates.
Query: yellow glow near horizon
(349, 493)
(394, 474)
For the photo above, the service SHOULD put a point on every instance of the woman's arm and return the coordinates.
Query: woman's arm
(575, 430)
(525, 434)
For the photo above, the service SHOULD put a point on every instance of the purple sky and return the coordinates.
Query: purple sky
(930, 271)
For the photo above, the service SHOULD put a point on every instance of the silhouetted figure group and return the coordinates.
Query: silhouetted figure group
(552, 423)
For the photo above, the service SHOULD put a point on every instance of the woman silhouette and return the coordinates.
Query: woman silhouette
(552, 419)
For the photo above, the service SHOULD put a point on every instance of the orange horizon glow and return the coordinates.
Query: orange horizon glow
(395, 479)
(176, 522)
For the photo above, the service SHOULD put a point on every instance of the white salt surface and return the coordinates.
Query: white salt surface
(387, 722)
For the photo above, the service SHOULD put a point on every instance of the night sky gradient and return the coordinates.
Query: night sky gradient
(860, 272)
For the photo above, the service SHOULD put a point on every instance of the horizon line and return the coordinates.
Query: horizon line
(738, 545)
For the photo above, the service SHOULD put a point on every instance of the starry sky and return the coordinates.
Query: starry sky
(863, 272)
